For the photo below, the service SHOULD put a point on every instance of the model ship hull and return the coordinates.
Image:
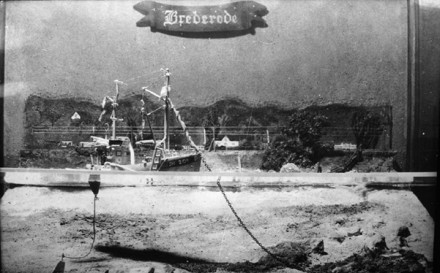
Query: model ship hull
(183, 163)
(117, 153)
(189, 163)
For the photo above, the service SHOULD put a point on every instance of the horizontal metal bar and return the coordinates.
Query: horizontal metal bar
(79, 178)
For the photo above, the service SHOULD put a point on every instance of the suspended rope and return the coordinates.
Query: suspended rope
(94, 235)
(157, 109)
(142, 76)
(131, 82)
(143, 80)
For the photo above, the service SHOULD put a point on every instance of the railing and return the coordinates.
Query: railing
(263, 134)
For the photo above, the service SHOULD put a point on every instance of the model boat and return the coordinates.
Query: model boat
(117, 153)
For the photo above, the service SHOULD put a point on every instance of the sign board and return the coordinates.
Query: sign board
(231, 17)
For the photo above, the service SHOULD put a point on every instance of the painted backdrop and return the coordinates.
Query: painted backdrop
(312, 52)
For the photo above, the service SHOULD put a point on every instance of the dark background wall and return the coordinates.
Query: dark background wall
(427, 88)
(311, 53)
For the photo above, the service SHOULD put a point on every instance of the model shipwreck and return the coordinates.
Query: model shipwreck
(117, 153)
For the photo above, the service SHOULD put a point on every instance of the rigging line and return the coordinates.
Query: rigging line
(178, 70)
(183, 125)
(94, 235)
(250, 119)
(131, 81)
(155, 110)
(143, 80)
(143, 75)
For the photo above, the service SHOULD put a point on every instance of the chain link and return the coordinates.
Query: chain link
(242, 224)
(206, 164)
(94, 235)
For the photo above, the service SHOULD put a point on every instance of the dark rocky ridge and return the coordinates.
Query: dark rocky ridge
(56, 113)
(48, 122)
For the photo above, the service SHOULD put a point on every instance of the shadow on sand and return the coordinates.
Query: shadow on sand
(191, 264)
(150, 255)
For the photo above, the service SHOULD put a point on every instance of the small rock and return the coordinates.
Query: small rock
(142, 270)
(292, 252)
(343, 269)
(340, 221)
(290, 168)
(179, 270)
(391, 255)
(379, 224)
(403, 232)
(319, 248)
(387, 165)
(403, 242)
(364, 251)
(169, 269)
(423, 261)
(318, 167)
(338, 236)
(358, 232)
(288, 270)
(379, 244)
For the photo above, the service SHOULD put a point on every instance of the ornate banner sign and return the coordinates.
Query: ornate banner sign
(236, 16)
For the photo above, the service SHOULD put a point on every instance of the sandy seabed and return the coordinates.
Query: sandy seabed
(192, 229)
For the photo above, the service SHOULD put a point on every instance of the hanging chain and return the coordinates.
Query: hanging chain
(242, 224)
(206, 164)
(94, 235)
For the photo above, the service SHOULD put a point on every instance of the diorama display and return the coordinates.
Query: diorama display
(228, 136)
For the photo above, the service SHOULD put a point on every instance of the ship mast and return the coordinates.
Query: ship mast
(113, 115)
(167, 106)
(164, 93)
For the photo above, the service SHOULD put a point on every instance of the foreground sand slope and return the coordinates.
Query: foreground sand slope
(193, 229)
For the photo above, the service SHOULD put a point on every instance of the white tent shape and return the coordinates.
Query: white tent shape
(76, 116)
(226, 142)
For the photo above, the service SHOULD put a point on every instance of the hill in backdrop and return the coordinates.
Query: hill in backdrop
(56, 115)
